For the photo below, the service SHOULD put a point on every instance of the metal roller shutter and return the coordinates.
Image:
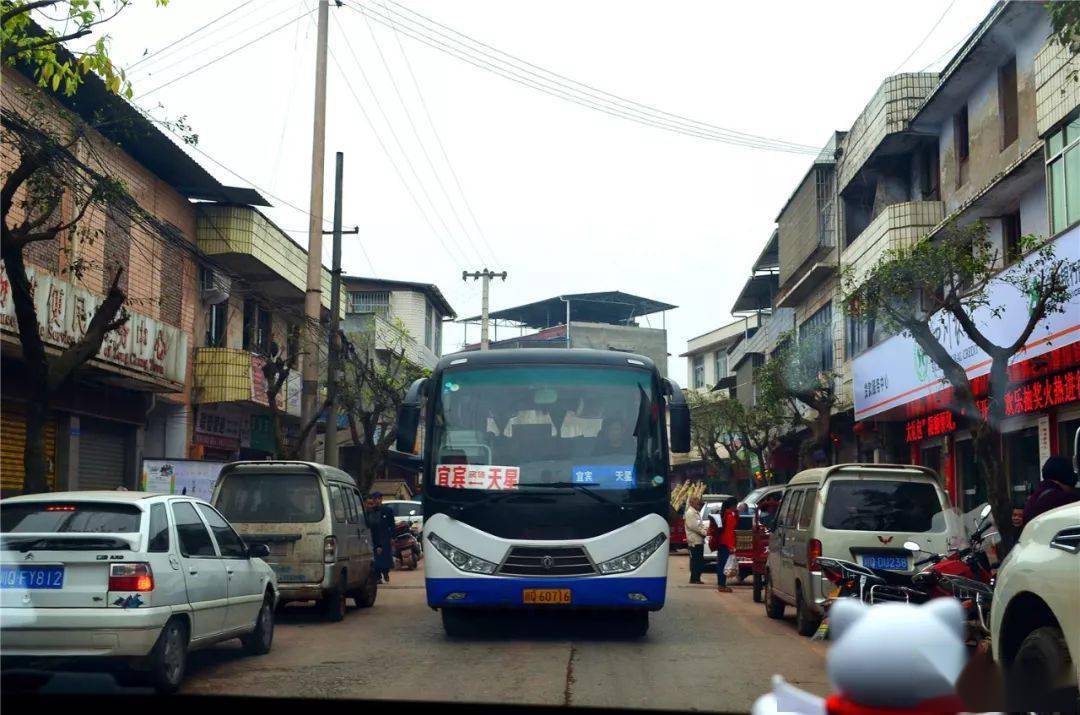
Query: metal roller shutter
(12, 444)
(102, 454)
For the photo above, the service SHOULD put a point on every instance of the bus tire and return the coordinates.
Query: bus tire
(636, 624)
(456, 622)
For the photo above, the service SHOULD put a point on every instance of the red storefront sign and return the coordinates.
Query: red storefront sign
(930, 426)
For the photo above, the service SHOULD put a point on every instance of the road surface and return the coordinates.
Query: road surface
(704, 651)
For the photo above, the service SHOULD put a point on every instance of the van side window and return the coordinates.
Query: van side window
(806, 514)
(159, 530)
(792, 515)
(350, 504)
(785, 508)
(337, 502)
(361, 510)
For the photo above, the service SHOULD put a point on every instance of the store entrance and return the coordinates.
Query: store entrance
(1022, 458)
(931, 457)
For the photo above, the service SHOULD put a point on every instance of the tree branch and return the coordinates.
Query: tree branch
(17, 10)
(12, 50)
(88, 346)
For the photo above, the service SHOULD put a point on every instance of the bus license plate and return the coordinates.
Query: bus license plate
(546, 596)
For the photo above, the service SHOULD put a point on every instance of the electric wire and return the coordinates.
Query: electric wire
(925, 37)
(197, 30)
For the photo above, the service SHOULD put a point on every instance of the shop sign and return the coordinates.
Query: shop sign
(1044, 438)
(182, 476)
(933, 425)
(217, 421)
(898, 372)
(216, 441)
(1041, 394)
(64, 311)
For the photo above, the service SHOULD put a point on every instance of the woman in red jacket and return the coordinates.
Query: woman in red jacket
(722, 539)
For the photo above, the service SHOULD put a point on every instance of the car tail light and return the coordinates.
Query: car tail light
(813, 551)
(330, 550)
(131, 577)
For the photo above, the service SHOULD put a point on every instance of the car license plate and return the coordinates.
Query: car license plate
(51, 577)
(889, 563)
(546, 596)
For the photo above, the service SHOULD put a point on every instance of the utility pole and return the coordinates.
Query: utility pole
(309, 405)
(333, 363)
(486, 276)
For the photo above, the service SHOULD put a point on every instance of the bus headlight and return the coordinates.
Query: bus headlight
(462, 560)
(632, 559)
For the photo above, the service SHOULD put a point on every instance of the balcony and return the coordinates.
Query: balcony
(1056, 90)
(898, 225)
(390, 336)
(244, 241)
(231, 375)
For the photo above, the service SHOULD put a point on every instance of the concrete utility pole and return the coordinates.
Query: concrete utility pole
(333, 363)
(486, 276)
(309, 406)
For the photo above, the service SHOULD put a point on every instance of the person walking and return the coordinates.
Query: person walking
(695, 538)
(381, 523)
(722, 539)
(1057, 488)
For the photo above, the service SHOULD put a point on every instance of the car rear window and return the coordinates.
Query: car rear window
(882, 505)
(277, 498)
(403, 508)
(69, 518)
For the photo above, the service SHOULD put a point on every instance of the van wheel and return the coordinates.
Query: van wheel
(258, 642)
(457, 623)
(759, 586)
(334, 601)
(365, 597)
(1042, 665)
(805, 622)
(168, 659)
(774, 607)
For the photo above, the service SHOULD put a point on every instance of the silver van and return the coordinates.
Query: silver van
(312, 517)
(856, 512)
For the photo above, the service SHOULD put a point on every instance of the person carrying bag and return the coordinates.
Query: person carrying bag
(722, 541)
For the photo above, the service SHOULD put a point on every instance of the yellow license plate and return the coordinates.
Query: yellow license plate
(546, 596)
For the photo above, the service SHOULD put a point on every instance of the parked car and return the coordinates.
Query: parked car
(128, 575)
(313, 519)
(1034, 619)
(751, 500)
(855, 512)
(409, 511)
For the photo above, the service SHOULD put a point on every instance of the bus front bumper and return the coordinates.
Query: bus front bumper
(596, 592)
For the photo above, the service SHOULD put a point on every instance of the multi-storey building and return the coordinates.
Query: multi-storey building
(401, 313)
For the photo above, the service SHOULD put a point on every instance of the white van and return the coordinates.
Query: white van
(856, 512)
(312, 517)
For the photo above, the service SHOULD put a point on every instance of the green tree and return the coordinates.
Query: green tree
(747, 435)
(277, 367)
(920, 288)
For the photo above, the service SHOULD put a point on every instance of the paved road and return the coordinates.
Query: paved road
(704, 651)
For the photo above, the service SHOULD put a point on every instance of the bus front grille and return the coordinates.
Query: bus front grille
(547, 561)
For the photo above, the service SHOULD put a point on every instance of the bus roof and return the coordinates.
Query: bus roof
(547, 356)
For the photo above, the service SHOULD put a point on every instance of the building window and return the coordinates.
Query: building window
(961, 142)
(817, 329)
(256, 328)
(699, 371)
(215, 325)
(1010, 237)
(292, 346)
(720, 364)
(1063, 170)
(429, 326)
(859, 335)
(370, 301)
(1007, 103)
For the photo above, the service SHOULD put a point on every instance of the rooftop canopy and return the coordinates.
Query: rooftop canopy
(612, 307)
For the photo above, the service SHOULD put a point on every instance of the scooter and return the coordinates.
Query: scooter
(407, 551)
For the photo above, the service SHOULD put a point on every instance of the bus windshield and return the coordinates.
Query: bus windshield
(520, 426)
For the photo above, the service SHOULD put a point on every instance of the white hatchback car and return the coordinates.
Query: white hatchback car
(139, 576)
(1034, 619)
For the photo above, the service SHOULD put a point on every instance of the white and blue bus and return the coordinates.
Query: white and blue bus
(545, 481)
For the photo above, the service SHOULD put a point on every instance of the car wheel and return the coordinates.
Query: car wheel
(759, 586)
(805, 622)
(168, 659)
(1042, 667)
(774, 607)
(258, 642)
(457, 623)
(365, 597)
(334, 601)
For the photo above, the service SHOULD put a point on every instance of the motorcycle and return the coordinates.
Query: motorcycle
(871, 586)
(407, 552)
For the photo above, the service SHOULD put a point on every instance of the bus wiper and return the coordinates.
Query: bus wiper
(584, 489)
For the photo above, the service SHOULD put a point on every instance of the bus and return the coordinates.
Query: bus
(545, 481)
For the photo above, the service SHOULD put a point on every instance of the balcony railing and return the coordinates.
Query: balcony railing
(232, 375)
(1057, 92)
(896, 226)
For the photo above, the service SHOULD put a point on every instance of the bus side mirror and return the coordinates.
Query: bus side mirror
(408, 417)
(680, 428)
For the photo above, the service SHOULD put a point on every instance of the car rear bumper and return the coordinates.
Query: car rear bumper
(77, 632)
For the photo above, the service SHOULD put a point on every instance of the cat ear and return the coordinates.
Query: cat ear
(843, 614)
(948, 612)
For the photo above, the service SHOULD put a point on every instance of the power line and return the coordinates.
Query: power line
(227, 54)
(442, 148)
(925, 38)
(420, 141)
(177, 41)
(555, 84)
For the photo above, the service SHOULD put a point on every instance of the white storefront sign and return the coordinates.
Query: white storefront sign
(897, 371)
(64, 311)
(181, 476)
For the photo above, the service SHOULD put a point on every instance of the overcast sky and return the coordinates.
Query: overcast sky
(569, 199)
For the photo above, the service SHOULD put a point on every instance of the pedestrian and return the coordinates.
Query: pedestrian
(695, 538)
(1057, 488)
(722, 540)
(381, 523)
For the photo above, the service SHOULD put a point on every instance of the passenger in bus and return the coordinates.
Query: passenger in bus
(612, 437)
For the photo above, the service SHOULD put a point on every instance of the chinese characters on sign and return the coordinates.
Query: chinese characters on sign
(607, 476)
(476, 476)
(875, 386)
(930, 426)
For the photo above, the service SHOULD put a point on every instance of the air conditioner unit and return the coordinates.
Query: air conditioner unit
(214, 286)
